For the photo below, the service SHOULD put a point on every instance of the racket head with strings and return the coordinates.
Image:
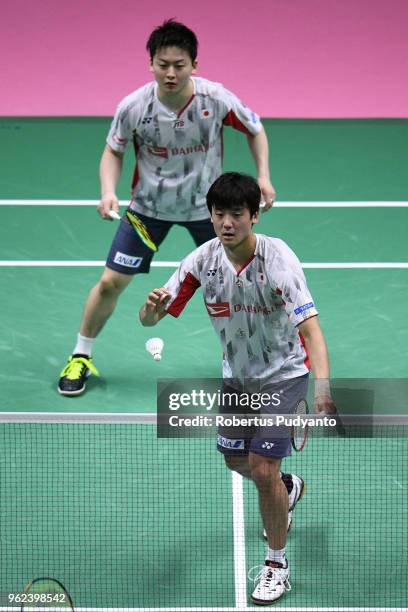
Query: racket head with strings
(141, 230)
(299, 433)
(46, 594)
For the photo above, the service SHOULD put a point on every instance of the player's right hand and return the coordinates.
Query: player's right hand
(154, 308)
(108, 202)
(157, 299)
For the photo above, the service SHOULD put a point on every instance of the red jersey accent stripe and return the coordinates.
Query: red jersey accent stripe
(307, 360)
(279, 292)
(232, 120)
(188, 287)
(246, 264)
(135, 178)
(181, 111)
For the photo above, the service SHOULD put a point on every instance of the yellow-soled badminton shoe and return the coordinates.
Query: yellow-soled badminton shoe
(273, 582)
(74, 375)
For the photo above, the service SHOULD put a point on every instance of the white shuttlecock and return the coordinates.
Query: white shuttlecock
(114, 215)
(154, 346)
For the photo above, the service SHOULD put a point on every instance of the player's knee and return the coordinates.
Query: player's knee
(237, 464)
(111, 285)
(264, 473)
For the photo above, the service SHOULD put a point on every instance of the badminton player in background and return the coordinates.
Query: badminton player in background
(257, 298)
(175, 125)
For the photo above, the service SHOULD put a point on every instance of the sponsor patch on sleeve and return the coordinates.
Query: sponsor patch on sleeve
(304, 308)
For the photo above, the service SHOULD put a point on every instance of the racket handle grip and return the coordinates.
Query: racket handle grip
(114, 215)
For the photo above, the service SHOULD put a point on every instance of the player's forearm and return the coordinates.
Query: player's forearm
(260, 152)
(319, 362)
(110, 170)
(316, 348)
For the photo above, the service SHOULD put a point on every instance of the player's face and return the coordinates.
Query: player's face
(233, 226)
(172, 68)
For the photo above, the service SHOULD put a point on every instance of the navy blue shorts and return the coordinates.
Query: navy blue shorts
(269, 441)
(129, 255)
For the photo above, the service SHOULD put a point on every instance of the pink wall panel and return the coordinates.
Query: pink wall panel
(285, 58)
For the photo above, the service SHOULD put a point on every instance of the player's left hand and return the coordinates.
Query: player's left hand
(268, 193)
(323, 404)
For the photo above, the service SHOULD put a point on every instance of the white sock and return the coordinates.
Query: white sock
(279, 556)
(83, 345)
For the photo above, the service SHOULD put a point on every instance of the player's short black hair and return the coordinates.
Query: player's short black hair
(173, 34)
(234, 190)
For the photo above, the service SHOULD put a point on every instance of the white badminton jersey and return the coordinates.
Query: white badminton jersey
(254, 311)
(178, 155)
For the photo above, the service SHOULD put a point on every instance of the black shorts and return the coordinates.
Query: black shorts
(270, 441)
(129, 255)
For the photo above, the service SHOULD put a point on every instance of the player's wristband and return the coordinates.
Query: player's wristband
(322, 387)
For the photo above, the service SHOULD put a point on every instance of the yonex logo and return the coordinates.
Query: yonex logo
(268, 445)
(178, 125)
(212, 272)
(222, 309)
(127, 260)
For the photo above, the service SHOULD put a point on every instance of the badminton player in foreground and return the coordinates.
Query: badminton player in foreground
(174, 125)
(257, 298)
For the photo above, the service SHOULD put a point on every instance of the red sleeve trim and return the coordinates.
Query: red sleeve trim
(188, 287)
(232, 120)
(307, 360)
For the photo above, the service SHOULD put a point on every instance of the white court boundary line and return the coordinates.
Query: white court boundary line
(288, 204)
(357, 265)
(240, 572)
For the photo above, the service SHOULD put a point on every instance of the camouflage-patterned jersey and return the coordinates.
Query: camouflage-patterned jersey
(254, 311)
(178, 155)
